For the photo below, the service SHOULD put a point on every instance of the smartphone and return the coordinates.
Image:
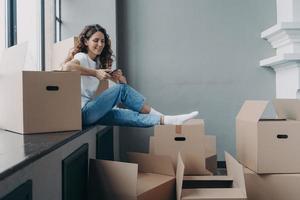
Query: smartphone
(113, 71)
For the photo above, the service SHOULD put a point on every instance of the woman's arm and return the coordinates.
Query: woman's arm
(74, 65)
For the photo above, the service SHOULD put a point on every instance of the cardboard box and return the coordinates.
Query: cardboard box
(269, 145)
(35, 102)
(203, 190)
(60, 52)
(210, 153)
(148, 177)
(190, 141)
(272, 186)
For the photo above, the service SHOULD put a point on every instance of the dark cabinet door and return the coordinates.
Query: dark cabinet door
(23, 192)
(75, 175)
(105, 144)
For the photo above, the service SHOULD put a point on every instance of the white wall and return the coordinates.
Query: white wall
(28, 30)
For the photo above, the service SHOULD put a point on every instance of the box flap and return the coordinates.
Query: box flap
(210, 145)
(287, 108)
(213, 194)
(113, 178)
(149, 181)
(252, 110)
(149, 163)
(196, 125)
(179, 176)
(151, 145)
(235, 170)
(194, 122)
(207, 178)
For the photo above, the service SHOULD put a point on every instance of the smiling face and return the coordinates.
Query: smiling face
(95, 44)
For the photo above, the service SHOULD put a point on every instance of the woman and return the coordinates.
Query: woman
(92, 57)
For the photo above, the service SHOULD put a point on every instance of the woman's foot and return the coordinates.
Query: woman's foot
(178, 119)
(155, 112)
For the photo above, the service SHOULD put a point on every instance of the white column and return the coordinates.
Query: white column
(285, 38)
(288, 10)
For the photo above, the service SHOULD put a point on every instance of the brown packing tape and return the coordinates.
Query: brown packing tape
(178, 129)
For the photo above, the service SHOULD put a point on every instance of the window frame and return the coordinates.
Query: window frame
(42, 35)
(11, 23)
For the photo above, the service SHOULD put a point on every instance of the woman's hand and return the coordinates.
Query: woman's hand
(117, 76)
(122, 79)
(102, 74)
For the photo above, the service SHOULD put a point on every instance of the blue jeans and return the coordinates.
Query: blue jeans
(101, 110)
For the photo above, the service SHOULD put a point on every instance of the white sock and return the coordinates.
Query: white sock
(179, 119)
(155, 112)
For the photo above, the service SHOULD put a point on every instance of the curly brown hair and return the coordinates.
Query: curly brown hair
(105, 58)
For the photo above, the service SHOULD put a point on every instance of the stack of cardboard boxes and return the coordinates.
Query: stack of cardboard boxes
(194, 156)
(198, 150)
(185, 148)
(269, 148)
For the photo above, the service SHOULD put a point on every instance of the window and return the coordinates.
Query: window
(58, 20)
(11, 23)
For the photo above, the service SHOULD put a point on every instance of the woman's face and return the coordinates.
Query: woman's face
(95, 44)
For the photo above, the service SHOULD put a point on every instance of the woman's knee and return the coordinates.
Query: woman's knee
(115, 89)
(120, 87)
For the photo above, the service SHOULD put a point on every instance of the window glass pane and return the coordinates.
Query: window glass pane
(11, 22)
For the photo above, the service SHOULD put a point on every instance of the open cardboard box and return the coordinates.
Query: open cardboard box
(269, 145)
(198, 150)
(36, 101)
(227, 187)
(272, 186)
(146, 177)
